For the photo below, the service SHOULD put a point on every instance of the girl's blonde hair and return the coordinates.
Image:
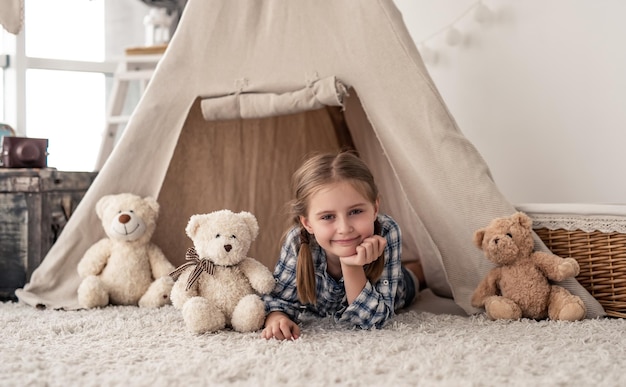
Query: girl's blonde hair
(317, 172)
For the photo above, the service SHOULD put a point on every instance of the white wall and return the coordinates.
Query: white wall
(540, 90)
(124, 26)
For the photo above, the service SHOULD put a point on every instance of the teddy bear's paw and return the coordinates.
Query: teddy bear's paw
(179, 295)
(158, 294)
(249, 314)
(500, 308)
(266, 283)
(565, 306)
(567, 269)
(259, 276)
(91, 293)
(572, 312)
(202, 316)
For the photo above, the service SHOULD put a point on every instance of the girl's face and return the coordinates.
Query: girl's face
(340, 218)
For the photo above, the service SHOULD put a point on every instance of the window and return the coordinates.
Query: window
(60, 73)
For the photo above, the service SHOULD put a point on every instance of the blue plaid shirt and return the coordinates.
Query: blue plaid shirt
(375, 305)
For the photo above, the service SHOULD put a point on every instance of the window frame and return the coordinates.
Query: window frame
(16, 63)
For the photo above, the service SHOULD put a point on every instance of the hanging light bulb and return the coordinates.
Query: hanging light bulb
(453, 37)
(482, 13)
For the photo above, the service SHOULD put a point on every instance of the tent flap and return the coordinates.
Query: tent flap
(328, 91)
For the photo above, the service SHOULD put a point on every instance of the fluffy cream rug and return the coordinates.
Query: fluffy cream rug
(129, 346)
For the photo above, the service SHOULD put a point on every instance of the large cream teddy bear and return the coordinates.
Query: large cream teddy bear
(220, 285)
(125, 268)
(520, 285)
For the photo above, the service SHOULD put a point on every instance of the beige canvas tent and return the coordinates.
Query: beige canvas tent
(245, 90)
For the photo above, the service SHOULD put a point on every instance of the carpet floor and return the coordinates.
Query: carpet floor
(130, 346)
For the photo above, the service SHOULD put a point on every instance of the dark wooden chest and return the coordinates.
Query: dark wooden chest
(35, 205)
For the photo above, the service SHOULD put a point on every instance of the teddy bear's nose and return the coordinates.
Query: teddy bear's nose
(228, 248)
(496, 240)
(124, 218)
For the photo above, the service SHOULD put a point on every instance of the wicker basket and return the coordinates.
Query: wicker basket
(596, 238)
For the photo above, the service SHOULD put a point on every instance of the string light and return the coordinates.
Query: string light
(482, 14)
(454, 37)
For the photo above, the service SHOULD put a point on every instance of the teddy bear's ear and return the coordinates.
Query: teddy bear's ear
(479, 235)
(251, 222)
(101, 205)
(192, 226)
(152, 203)
(523, 219)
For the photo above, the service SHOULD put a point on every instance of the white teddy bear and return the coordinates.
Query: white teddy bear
(125, 268)
(220, 285)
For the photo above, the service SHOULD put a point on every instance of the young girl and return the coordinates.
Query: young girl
(342, 257)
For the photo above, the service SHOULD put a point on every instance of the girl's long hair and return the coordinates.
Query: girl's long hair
(314, 174)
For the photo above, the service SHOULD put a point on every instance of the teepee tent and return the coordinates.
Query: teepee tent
(247, 89)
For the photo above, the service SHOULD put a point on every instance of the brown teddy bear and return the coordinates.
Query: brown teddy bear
(519, 286)
(125, 268)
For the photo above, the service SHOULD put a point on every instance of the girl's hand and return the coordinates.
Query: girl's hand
(279, 326)
(367, 252)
